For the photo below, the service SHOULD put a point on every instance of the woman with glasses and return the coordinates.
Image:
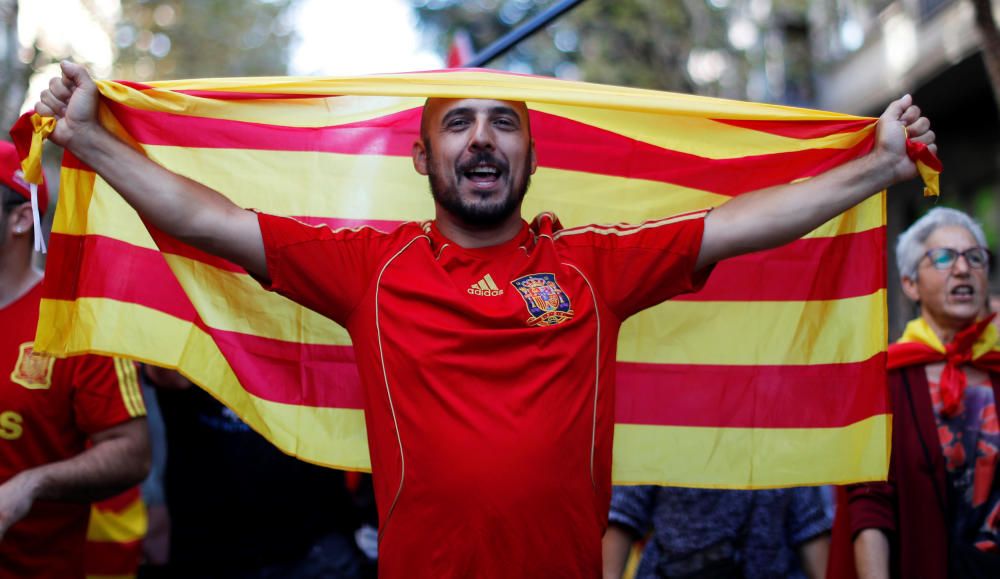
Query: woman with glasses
(939, 512)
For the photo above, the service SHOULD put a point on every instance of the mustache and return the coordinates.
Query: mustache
(482, 158)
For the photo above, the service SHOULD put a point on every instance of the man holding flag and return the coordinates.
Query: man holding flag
(486, 346)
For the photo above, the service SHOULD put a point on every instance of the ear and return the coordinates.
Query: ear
(910, 289)
(534, 158)
(419, 153)
(21, 221)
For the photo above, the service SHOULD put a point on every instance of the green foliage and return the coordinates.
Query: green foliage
(14, 70)
(637, 43)
(164, 39)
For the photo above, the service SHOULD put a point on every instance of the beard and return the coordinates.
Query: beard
(480, 214)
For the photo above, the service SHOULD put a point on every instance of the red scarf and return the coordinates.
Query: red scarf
(976, 345)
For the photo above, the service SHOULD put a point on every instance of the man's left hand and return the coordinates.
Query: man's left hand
(902, 120)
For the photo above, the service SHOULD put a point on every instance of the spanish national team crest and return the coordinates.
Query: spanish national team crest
(33, 371)
(546, 301)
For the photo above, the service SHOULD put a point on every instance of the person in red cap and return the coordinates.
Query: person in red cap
(71, 430)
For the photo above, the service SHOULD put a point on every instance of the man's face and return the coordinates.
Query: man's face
(478, 156)
(953, 297)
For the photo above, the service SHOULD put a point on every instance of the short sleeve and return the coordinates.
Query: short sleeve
(638, 266)
(632, 507)
(322, 269)
(105, 392)
(808, 518)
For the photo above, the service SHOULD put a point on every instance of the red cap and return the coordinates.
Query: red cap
(12, 176)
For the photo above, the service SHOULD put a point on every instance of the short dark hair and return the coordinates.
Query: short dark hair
(11, 198)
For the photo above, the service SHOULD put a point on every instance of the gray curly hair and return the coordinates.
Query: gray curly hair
(910, 247)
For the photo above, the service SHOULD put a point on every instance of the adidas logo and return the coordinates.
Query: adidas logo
(485, 287)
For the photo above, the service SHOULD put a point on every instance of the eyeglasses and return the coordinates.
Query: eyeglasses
(945, 257)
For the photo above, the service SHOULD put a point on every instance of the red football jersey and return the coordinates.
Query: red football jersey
(48, 409)
(489, 378)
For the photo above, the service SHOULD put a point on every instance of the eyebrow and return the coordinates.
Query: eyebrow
(497, 110)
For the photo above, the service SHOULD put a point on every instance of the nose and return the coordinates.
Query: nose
(961, 265)
(482, 136)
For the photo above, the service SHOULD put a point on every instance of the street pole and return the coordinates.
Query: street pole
(512, 38)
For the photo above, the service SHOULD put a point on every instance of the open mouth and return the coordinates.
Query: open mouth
(483, 174)
(484, 170)
(963, 292)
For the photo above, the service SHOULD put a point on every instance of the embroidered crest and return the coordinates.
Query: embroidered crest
(547, 303)
(33, 371)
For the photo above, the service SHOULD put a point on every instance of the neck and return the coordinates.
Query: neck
(473, 237)
(946, 331)
(17, 276)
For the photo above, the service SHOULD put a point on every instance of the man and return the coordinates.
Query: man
(489, 413)
(71, 431)
(939, 513)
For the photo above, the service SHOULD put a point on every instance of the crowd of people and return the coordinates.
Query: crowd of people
(511, 475)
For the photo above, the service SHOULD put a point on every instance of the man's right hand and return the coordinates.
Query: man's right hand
(72, 99)
(174, 204)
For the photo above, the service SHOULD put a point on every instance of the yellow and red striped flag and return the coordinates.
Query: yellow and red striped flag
(115, 533)
(779, 360)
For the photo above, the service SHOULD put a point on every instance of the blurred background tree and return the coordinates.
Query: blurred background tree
(166, 39)
(142, 40)
(138, 40)
(728, 48)
(15, 64)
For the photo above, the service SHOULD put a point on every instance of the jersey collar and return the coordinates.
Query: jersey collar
(525, 238)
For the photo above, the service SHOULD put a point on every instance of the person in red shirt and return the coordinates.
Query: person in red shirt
(71, 430)
(486, 345)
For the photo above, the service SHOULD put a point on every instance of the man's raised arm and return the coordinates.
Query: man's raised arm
(185, 209)
(778, 215)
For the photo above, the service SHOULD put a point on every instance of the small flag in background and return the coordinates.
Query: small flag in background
(460, 52)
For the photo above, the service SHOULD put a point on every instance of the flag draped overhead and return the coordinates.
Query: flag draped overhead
(772, 375)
